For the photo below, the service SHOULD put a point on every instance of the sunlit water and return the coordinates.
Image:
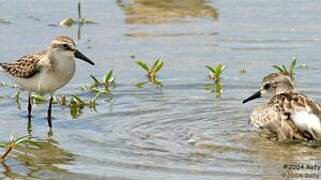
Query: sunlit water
(181, 131)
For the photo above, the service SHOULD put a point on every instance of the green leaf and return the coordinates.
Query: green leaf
(21, 139)
(292, 66)
(285, 69)
(112, 80)
(155, 64)
(211, 69)
(143, 65)
(277, 67)
(28, 141)
(67, 22)
(108, 76)
(3, 145)
(158, 67)
(96, 97)
(78, 99)
(39, 98)
(141, 85)
(95, 79)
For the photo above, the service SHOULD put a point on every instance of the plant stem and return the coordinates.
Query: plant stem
(79, 10)
(6, 153)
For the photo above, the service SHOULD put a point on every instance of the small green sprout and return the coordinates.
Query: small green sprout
(215, 74)
(243, 70)
(151, 72)
(15, 142)
(81, 21)
(108, 82)
(287, 71)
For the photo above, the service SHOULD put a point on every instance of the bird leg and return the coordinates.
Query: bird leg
(49, 112)
(29, 107)
(29, 127)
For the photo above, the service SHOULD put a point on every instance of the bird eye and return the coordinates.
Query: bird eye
(65, 46)
(266, 86)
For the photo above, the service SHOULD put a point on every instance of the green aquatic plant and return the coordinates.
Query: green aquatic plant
(151, 73)
(242, 71)
(10, 146)
(287, 70)
(215, 75)
(108, 82)
(38, 98)
(81, 21)
(216, 71)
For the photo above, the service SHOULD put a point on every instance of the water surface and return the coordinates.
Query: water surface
(179, 131)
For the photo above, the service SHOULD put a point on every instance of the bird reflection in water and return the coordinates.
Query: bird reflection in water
(165, 11)
(33, 162)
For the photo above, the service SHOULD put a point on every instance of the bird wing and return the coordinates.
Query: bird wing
(274, 117)
(305, 113)
(25, 67)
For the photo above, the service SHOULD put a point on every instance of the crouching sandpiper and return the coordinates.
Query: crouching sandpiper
(47, 71)
(289, 114)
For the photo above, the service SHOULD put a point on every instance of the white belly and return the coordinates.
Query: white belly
(48, 81)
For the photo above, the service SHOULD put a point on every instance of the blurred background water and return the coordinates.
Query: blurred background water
(179, 131)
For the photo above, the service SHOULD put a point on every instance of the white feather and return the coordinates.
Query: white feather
(308, 122)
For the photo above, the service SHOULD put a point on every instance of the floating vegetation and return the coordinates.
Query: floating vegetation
(38, 98)
(70, 21)
(108, 82)
(287, 70)
(151, 73)
(10, 146)
(4, 21)
(215, 75)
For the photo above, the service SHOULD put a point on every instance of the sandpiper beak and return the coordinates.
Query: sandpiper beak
(254, 96)
(81, 56)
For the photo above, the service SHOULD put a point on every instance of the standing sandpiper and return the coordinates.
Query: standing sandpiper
(288, 114)
(46, 71)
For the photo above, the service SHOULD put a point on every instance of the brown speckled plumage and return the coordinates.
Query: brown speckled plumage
(25, 67)
(47, 71)
(278, 114)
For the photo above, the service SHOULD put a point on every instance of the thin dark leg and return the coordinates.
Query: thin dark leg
(29, 108)
(29, 126)
(49, 112)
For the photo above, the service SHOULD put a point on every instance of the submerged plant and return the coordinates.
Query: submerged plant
(287, 70)
(151, 73)
(77, 104)
(10, 146)
(81, 21)
(215, 75)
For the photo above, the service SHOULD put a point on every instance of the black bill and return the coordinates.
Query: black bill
(79, 55)
(254, 96)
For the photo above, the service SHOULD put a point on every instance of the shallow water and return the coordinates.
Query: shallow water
(179, 131)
